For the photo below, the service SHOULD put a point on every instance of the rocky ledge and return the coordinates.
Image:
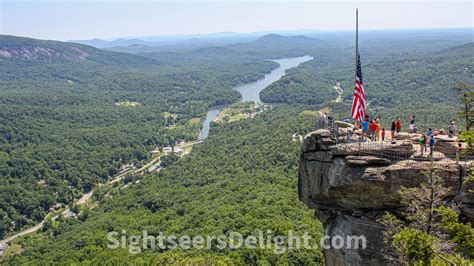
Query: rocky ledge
(350, 192)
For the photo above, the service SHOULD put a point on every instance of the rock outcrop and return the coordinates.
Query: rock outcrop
(350, 192)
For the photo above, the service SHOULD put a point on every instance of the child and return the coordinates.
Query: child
(383, 134)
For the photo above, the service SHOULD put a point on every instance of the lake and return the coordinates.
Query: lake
(251, 91)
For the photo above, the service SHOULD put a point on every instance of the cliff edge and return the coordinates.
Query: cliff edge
(351, 185)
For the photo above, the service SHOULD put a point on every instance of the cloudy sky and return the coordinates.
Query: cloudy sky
(75, 19)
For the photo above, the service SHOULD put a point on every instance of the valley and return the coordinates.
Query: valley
(162, 140)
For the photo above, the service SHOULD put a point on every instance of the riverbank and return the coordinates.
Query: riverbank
(251, 91)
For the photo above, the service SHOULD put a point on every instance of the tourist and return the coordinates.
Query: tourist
(372, 129)
(392, 130)
(398, 125)
(452, 129)
(435, 132)
(422, 144)
(365, 128)
(323, 121)
(377, 130)
(429, 133)
(412, 124)
(458, 152)
(383, 134)
(441, 131)
(415, 129)
(432, 144)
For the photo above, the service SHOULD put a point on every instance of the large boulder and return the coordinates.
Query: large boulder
(352, 185)
(319, 140)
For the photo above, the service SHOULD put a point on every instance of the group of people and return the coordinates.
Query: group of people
(427, 140)
(372, 129)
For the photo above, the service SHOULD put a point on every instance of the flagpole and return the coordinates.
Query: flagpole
(356, 63)
(357, 40)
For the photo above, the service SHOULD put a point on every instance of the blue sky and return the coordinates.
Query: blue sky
(74, 19)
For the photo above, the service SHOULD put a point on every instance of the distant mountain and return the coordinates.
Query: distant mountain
(287, 45)
(25, 49)
(12, 47)
(218, 38)
(99, 43)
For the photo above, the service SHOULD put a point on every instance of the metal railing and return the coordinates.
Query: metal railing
(384, 149)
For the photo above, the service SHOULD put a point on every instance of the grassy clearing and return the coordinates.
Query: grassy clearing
(238, 111)
(127, 104)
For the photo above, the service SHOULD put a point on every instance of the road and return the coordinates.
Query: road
(87, 196)
(24, 232)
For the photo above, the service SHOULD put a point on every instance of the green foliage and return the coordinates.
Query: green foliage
(466, 92)
(167, 160)
(236, 181)
(415, 245)
(61, 130)
(397, 84)
(462, 234)
(427, 230)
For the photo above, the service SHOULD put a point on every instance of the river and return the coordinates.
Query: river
(251, 91)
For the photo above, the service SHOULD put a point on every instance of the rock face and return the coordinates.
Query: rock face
(350, 192)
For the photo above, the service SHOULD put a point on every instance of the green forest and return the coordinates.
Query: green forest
(72, 115)
(63, 130)
(397, 84)
(253, 188)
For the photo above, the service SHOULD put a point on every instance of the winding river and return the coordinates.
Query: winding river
(251, 91)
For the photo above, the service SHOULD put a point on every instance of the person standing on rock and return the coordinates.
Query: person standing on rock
(383, 134)
(365, 128)
(422, 144)
(452, 129)
(393, 129)
(398, 125)
(372, 129)
(377, 130)
(432, 144)
(429, 133)
(412, 123)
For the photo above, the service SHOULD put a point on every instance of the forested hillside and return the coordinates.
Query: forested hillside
(66, 125)
(397, 84)
(242, 179)
(71, 115)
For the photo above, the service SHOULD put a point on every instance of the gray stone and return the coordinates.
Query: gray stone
(366, 160)
(351, 191)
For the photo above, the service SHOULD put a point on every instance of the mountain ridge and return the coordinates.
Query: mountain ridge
(29, 49)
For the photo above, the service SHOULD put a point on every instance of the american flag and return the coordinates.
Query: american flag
(358, 105)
